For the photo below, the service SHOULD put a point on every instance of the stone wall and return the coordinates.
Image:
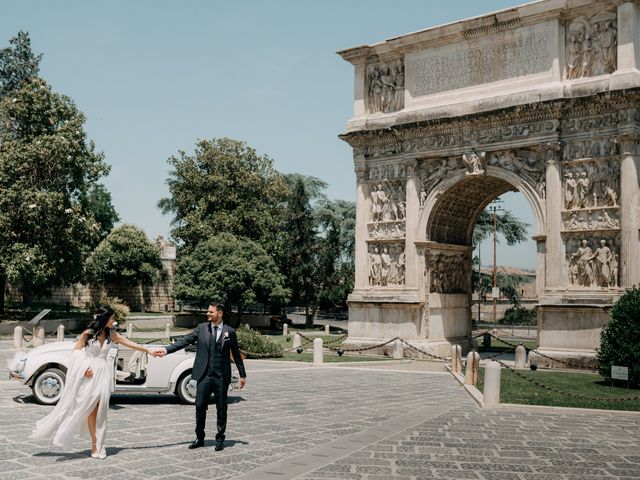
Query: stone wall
(155, 298)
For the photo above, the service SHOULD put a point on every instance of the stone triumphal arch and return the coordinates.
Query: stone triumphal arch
(541, 99)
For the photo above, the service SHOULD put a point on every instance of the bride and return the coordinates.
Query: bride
(84, 401)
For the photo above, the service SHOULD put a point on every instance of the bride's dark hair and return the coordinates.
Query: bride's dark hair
(100, 319)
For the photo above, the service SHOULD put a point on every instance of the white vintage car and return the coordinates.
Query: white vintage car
(44, 370)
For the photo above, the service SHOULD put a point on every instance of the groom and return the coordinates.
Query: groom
(212, 369)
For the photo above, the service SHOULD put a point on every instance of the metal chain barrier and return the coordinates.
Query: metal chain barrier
(304, 338)
(529, 350)
(363, 349)
(437, 357)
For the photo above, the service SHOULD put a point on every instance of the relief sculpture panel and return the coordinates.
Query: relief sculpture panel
(387, 202)
(385, 87)
(591, 184)
(524, 163)
(386, 265)
(592, 262)
(591, 47)
(448, 272)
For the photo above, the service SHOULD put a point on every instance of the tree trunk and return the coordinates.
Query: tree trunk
(3, 286)
(26, 293)
(308, 317)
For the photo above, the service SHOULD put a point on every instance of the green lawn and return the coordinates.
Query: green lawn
(518, 390)
(287, 341)
(497, 345)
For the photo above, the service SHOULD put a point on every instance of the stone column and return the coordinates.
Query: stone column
(361, 233)
(554, 261)
(629, 211)
(412, 270)
(541, 252)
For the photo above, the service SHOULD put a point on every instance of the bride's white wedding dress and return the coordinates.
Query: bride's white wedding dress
(79, 398)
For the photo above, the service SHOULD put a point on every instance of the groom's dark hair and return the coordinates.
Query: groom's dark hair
(219, 306)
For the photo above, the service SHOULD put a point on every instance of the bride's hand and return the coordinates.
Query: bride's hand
(88, 373)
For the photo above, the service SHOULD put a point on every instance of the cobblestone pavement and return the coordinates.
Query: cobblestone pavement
(296, 421)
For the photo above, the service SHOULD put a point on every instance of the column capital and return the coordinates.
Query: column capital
(628, 142)
(411, 167)
(552, 151)
(362, 172)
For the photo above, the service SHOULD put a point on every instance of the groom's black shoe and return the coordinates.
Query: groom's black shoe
(219, 445)
(197, 444)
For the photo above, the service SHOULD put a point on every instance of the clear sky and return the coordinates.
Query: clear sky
(153, 76)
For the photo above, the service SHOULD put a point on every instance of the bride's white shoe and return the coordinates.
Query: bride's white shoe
(102, 455)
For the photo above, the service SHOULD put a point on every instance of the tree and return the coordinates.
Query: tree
(98, 202)
(318, 244)
(125, 257)
(232, 270)
(224, 187)
(338, 217)
(299, 262)
(620, 338)
(48, 170)
(513, 229)
(17, 64)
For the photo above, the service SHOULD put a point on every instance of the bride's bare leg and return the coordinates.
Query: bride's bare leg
(91, 421)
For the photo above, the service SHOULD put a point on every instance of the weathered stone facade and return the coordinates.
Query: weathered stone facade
(543, 99)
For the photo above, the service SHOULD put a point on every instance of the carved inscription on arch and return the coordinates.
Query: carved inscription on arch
(509, 55)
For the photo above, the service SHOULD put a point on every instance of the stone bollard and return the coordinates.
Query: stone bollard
(17, 338)
(456, 358)
(61, 333)
(38, 336)
(471, 372)
(486, 340)
(398, 349)
(521, 357)
(285, 329)
(327, 330)
(297, 340)
(129, 329)
(318, 359)
(167, 330)
(492, 374)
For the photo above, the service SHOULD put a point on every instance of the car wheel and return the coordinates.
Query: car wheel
(186, 389)
(48, 385)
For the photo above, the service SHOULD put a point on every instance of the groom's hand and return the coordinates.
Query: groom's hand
(160, 352)
(242, 382)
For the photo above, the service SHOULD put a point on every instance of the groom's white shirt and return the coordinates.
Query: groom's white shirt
(219, 326)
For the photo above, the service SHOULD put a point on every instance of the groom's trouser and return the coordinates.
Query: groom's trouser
(216, 385)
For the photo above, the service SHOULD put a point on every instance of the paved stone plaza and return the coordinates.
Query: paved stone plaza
(345, 422)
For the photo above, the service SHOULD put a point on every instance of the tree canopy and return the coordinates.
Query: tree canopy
(125, 257)
(225, 186)
(49, 195)
(232, 270)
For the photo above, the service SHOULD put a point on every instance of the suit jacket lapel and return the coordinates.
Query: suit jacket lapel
(207, 333)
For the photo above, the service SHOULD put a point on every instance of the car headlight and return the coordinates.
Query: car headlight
(18, 363)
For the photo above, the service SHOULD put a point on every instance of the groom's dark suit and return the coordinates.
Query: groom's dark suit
(212, 371)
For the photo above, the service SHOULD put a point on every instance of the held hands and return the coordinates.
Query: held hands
(158, 352)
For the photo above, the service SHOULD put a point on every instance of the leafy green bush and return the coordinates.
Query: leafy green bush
(520, 316)
(620, 338)
(256, 345)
